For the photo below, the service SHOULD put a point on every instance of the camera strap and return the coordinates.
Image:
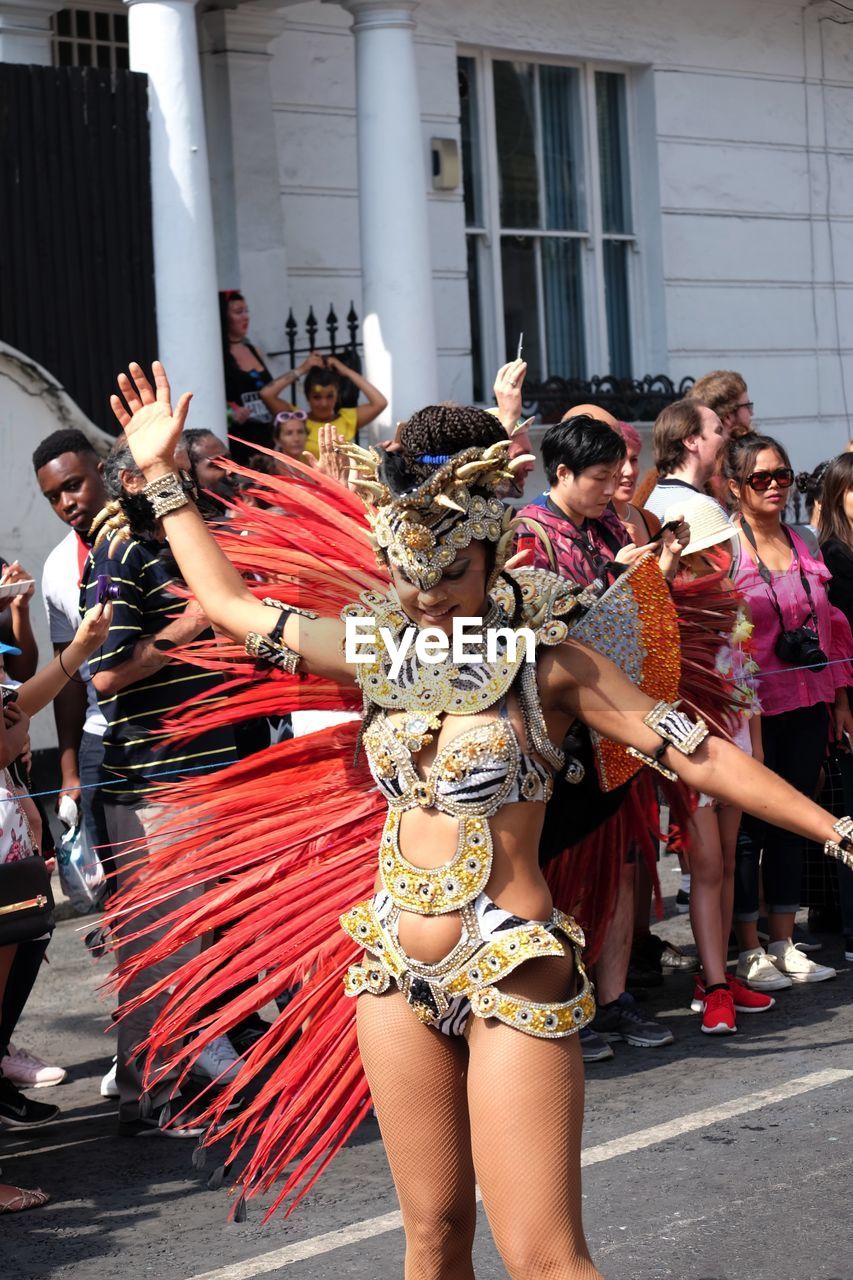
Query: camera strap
(766, 576)
(581, 539)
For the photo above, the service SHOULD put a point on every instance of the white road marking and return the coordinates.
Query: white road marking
(264, 1263)
(712, 1115)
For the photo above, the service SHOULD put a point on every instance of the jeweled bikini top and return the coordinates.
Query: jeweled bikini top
(473, 775)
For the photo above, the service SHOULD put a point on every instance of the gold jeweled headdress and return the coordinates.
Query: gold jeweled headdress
(423, 530)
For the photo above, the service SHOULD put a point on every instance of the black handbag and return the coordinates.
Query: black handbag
(26, 900)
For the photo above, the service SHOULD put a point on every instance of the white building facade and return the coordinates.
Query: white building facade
(641, 188)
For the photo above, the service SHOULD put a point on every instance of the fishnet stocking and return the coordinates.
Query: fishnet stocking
(417, 1078)
(525, 1098)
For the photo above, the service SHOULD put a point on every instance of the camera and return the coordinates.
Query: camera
(801, 648)
(106, 589)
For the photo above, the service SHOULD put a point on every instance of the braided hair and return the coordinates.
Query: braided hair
(437, 432)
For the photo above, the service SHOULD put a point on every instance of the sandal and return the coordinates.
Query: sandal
(22, 1199)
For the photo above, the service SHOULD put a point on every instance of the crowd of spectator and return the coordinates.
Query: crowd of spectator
(713, 511)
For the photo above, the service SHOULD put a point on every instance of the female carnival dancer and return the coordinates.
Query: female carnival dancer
(470, 985)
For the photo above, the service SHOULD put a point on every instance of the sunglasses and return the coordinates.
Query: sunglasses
(761, 481)
(747, 404)
(291, 415)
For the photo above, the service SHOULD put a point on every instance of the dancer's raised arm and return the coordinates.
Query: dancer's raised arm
(591, 688)
(153, 432)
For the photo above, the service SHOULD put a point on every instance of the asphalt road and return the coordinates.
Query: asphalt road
(709, 1160)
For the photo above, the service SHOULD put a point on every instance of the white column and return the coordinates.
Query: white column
(398, 322)
(244, 176)
(163, 44)
(25, 31)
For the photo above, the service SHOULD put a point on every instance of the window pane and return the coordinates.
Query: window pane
(521, 310)
(562, 148)
(474, 296)
(613, 151)
(65, 52)
(103, 56)
(82, 23)
(63, 22)
(472, 163)
(102, 26)
(516, 141)
(84, 55)
(120, 27)
(616, 300)
(122, 58)
(562, 283)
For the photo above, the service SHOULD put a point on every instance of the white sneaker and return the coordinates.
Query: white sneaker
(218, 1060)
(109, 1088)
(29, 1072)
(796, 966)
(758, 971)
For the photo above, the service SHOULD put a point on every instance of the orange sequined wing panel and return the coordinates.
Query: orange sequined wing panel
(635, 625)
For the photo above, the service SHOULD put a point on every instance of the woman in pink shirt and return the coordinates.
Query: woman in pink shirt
(797, 639)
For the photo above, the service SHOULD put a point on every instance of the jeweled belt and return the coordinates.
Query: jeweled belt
(471, 970)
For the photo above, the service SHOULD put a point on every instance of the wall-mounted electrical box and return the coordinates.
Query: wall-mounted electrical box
(445, 163)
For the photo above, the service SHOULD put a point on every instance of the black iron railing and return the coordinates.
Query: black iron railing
(629, 399)
(311, 329)
(349, 354)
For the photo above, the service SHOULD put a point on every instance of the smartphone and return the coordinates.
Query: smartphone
(525, 541)
(669, 527)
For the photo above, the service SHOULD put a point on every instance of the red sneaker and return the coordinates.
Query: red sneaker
(718, 1018)
(746, 1000)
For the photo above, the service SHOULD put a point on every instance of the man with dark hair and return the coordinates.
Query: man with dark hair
(71, 476)
(140, 684)
(576, 532)
(687, 439)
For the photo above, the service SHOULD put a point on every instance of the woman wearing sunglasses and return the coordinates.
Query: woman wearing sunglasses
(797, 634)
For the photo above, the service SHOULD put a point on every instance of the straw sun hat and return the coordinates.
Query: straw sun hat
(709, 524)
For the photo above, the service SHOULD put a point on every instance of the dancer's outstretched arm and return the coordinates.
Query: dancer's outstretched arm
(153, 430)
(594, 690)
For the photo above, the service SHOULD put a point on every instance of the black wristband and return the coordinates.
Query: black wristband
(278, 630)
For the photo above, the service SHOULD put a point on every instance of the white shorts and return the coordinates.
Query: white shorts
(741, 739)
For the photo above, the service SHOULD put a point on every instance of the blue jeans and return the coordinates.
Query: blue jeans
(90, 760)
